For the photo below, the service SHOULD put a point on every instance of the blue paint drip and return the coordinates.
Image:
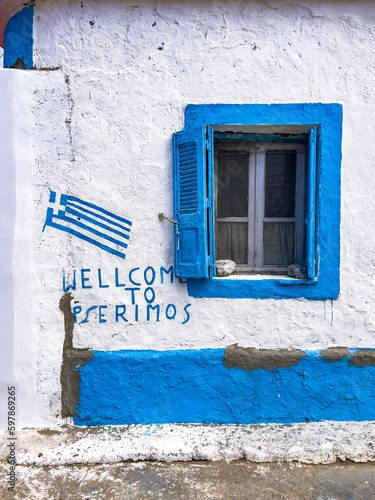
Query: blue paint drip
(18, 39)
(194, 386)
(328, 120)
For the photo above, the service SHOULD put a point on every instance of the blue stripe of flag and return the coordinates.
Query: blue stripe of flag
(62, 216)
(97, 215)
(93, 221)
(65, 199)
(86, 238)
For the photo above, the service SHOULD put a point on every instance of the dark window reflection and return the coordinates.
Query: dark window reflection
(280, 184)
(233, 180)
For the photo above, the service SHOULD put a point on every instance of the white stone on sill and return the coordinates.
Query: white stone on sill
(225, 267)
(297, 271)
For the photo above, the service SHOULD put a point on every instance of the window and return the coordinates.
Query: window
(260, 185)
(259, 203)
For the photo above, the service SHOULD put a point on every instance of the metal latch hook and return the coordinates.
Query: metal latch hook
(162, 217)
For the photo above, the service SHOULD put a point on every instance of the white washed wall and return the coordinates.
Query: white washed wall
(101, 126)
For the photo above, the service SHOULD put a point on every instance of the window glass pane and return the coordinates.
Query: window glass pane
(278, 243)
(232, 184)
(280, 183)
(231, 241)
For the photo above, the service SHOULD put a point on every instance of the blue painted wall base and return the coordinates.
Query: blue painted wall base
(194, 386)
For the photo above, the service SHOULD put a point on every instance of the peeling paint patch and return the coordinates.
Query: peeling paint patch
(72, 361)
(19, 64)
(363, 357)
(334, 354)
(48, 432)
(249, 358)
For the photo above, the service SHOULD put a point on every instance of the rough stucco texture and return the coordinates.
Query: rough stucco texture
(313, 442)
(124, 73)
(150, 62)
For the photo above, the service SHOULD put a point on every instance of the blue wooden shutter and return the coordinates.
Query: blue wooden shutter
(190, 183)
(311, 200)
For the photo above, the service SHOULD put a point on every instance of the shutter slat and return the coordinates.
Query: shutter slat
(188, 159)
(187, 194)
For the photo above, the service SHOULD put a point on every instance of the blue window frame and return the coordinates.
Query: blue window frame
(194, 198)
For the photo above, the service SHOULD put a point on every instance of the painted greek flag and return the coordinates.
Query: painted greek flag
(89, 222)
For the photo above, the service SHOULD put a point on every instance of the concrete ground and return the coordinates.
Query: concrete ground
(193, 480)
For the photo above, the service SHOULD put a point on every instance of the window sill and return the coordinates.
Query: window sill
(283, 280)
(261, 287)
